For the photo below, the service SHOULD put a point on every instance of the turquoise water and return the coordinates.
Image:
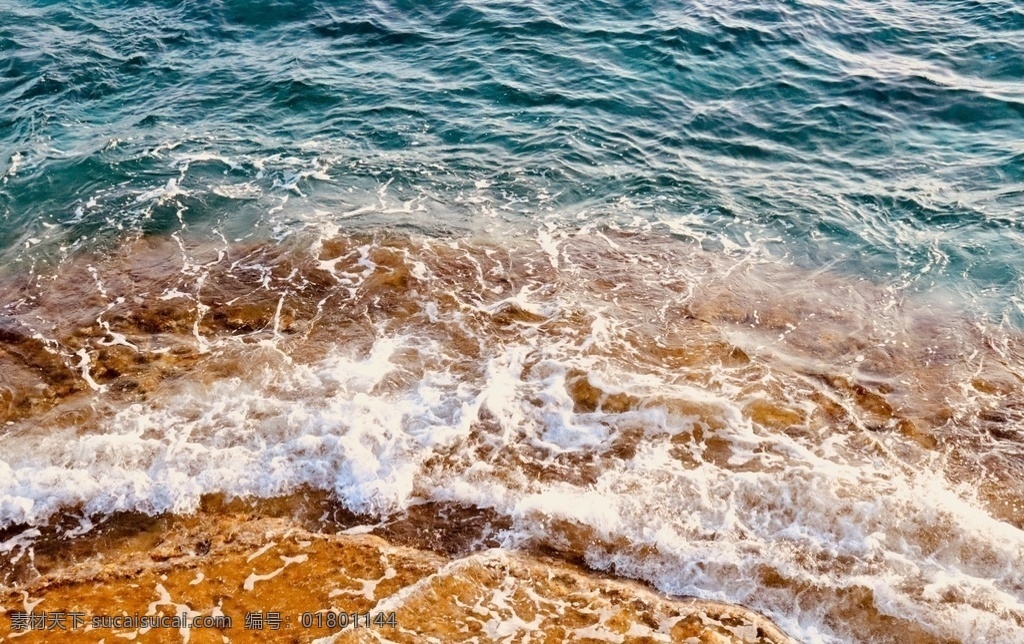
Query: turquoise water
(880, 139)
(723, 296)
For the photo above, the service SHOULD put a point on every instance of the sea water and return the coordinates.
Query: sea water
(721, 296)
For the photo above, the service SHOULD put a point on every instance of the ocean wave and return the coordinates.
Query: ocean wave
(724, 428)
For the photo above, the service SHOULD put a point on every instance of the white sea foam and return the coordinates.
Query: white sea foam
(164, 193)
(828, 513)
(713, 528)
(12, 166)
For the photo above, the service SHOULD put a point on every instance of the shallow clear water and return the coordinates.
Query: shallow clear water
(881, 138)
(623, 192)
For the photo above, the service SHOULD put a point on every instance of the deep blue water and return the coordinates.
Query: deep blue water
(880, 138)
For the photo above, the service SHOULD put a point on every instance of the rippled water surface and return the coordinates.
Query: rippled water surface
(722, 296)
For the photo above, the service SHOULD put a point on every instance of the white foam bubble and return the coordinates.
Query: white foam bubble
(679, 487)
(164, 193)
